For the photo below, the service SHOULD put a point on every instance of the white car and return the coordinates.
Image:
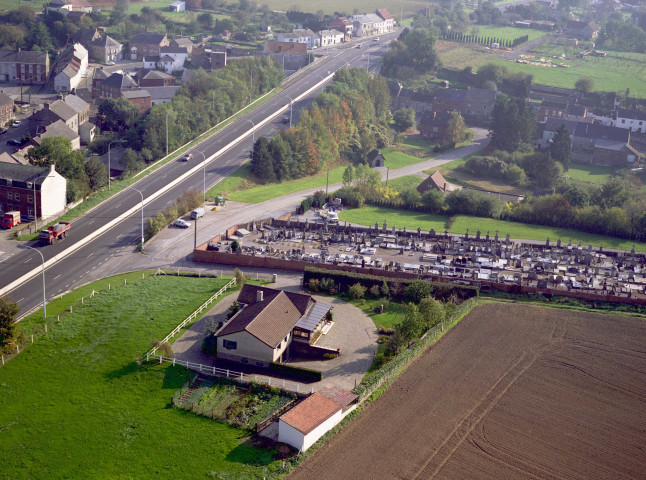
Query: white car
(16, 124)
(182, 223)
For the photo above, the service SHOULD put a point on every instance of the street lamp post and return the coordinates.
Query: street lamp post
(291, 103)
(43, 259)
(142, 212)
(109, 147)
(253, 131)
(204, 171)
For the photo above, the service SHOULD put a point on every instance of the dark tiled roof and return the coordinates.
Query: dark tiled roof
(480, 95)
(151, 58)
(591, 130)
(437, 119)
(100, 74)
(148, 38)
(22, 56)
(106, 42)
(577, 110)
(77, 103)
(85, 36)
(120, 81)
(23, 173)
(173, 49)
(62, 109)
(59, 129)
(310, 413)
(631, 114)
(450, 94)
(553, 124)
(269, 320)
(373, 154)
(552, 104)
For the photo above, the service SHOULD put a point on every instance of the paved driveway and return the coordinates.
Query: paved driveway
(353, 332)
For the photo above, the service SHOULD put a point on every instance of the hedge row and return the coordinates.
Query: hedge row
(396, 366)
(304, 374)
(344, 280)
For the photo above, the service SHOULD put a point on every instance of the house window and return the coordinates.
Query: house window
(30, 212)
(229, 345)
(260, 364)
(17, 197)
(30, 199)
(623, 120)
(10, 195)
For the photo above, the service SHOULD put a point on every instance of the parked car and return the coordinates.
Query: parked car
(3, 130)
(376, 39)
(285, 118)
(359, 46)
(186, 158)
(16, 124)
(179, 223)
(13, 142)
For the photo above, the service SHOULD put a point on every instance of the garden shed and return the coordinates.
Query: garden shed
(177, 6)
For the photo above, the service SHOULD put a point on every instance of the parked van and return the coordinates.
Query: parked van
(197, 213)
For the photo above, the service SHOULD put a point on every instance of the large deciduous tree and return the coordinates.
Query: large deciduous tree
(117, 114)
(404, 119)
(8, 312)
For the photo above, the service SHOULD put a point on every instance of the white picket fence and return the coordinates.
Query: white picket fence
(192, 316)
(239, 376)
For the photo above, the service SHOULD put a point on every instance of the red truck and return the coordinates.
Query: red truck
(54, 232)
(11, 219)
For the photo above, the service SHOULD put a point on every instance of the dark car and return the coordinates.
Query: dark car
(15, 143)
(3, 130)
(186, 158)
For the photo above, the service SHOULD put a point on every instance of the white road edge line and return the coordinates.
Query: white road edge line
(99, 231)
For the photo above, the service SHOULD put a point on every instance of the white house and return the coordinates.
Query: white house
(308, 421)
(177, 6)
(369, 24)
(70, 68)
(20, 185)
(635, 120)
(299, 35)
(330, 37)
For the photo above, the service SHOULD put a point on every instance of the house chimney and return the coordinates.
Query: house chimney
(259, 296)
(51, 168)
(46, 106)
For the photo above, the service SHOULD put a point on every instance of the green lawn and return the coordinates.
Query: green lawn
(411, 220)
(404, 183)
(370, 215)
(590, 173)
(77, 405)
(507, 33)
(396, 159)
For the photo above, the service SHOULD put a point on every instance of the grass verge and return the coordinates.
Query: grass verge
(93, 409)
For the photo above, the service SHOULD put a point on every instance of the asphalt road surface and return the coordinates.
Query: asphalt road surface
(74, 269)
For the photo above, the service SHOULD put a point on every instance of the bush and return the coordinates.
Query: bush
(314, 285)
(375, 291)
(304, 374)
(357, 291)
(210, 345)
(240, 278)
(419, 289)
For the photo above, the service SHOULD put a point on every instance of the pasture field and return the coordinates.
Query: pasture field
(77, 404)
(370, 215)
(349, 7)
(544, 406)
(506, 33)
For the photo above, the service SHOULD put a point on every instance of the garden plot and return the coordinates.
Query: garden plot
(232, 403)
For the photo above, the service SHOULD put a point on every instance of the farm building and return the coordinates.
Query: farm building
(308, 421)
(268, 323)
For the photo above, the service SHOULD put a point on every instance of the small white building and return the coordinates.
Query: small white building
(177, 6)
(308, 421)
(330, 37)
(635, 120)
(300, 35)
(70, 68)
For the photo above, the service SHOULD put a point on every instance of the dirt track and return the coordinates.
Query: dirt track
(511, 392)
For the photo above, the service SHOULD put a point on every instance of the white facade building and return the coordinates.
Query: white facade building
(330, 37)
(634, 120)
(300, 35)
(71, 69)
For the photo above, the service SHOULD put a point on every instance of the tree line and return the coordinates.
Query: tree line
(487, 41)
(345, 123)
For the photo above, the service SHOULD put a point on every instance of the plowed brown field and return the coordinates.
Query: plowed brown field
(512, 392)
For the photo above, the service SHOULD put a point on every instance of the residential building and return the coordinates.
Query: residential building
(389, 20)
(308, 421)
(449, 99)
(105, 49)
(177, 55)
(140, 98)
(263, 330)
(153, 78)
(577, 112)
(407, 98)
(6, 158)
(33, 191)
(369, 24)
(6, 109)
(86, 129)
(299, 35)
(51, 113)
(162, 94)
(551, 109)
(290, 55)
(581, 30)
(59, 129)
(436, 181)
(70, 68)
(24, 66)
(177, 6)
(634, 120)
(330, 37)
(97, 78)
(147, 44)
(208, 59)
(343, 25)
(85, 36)
(375, 159)
(478, 104)
(434, 126)
(184, 42)
(112, 86)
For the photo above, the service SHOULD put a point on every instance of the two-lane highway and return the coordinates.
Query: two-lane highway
(70, 271)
